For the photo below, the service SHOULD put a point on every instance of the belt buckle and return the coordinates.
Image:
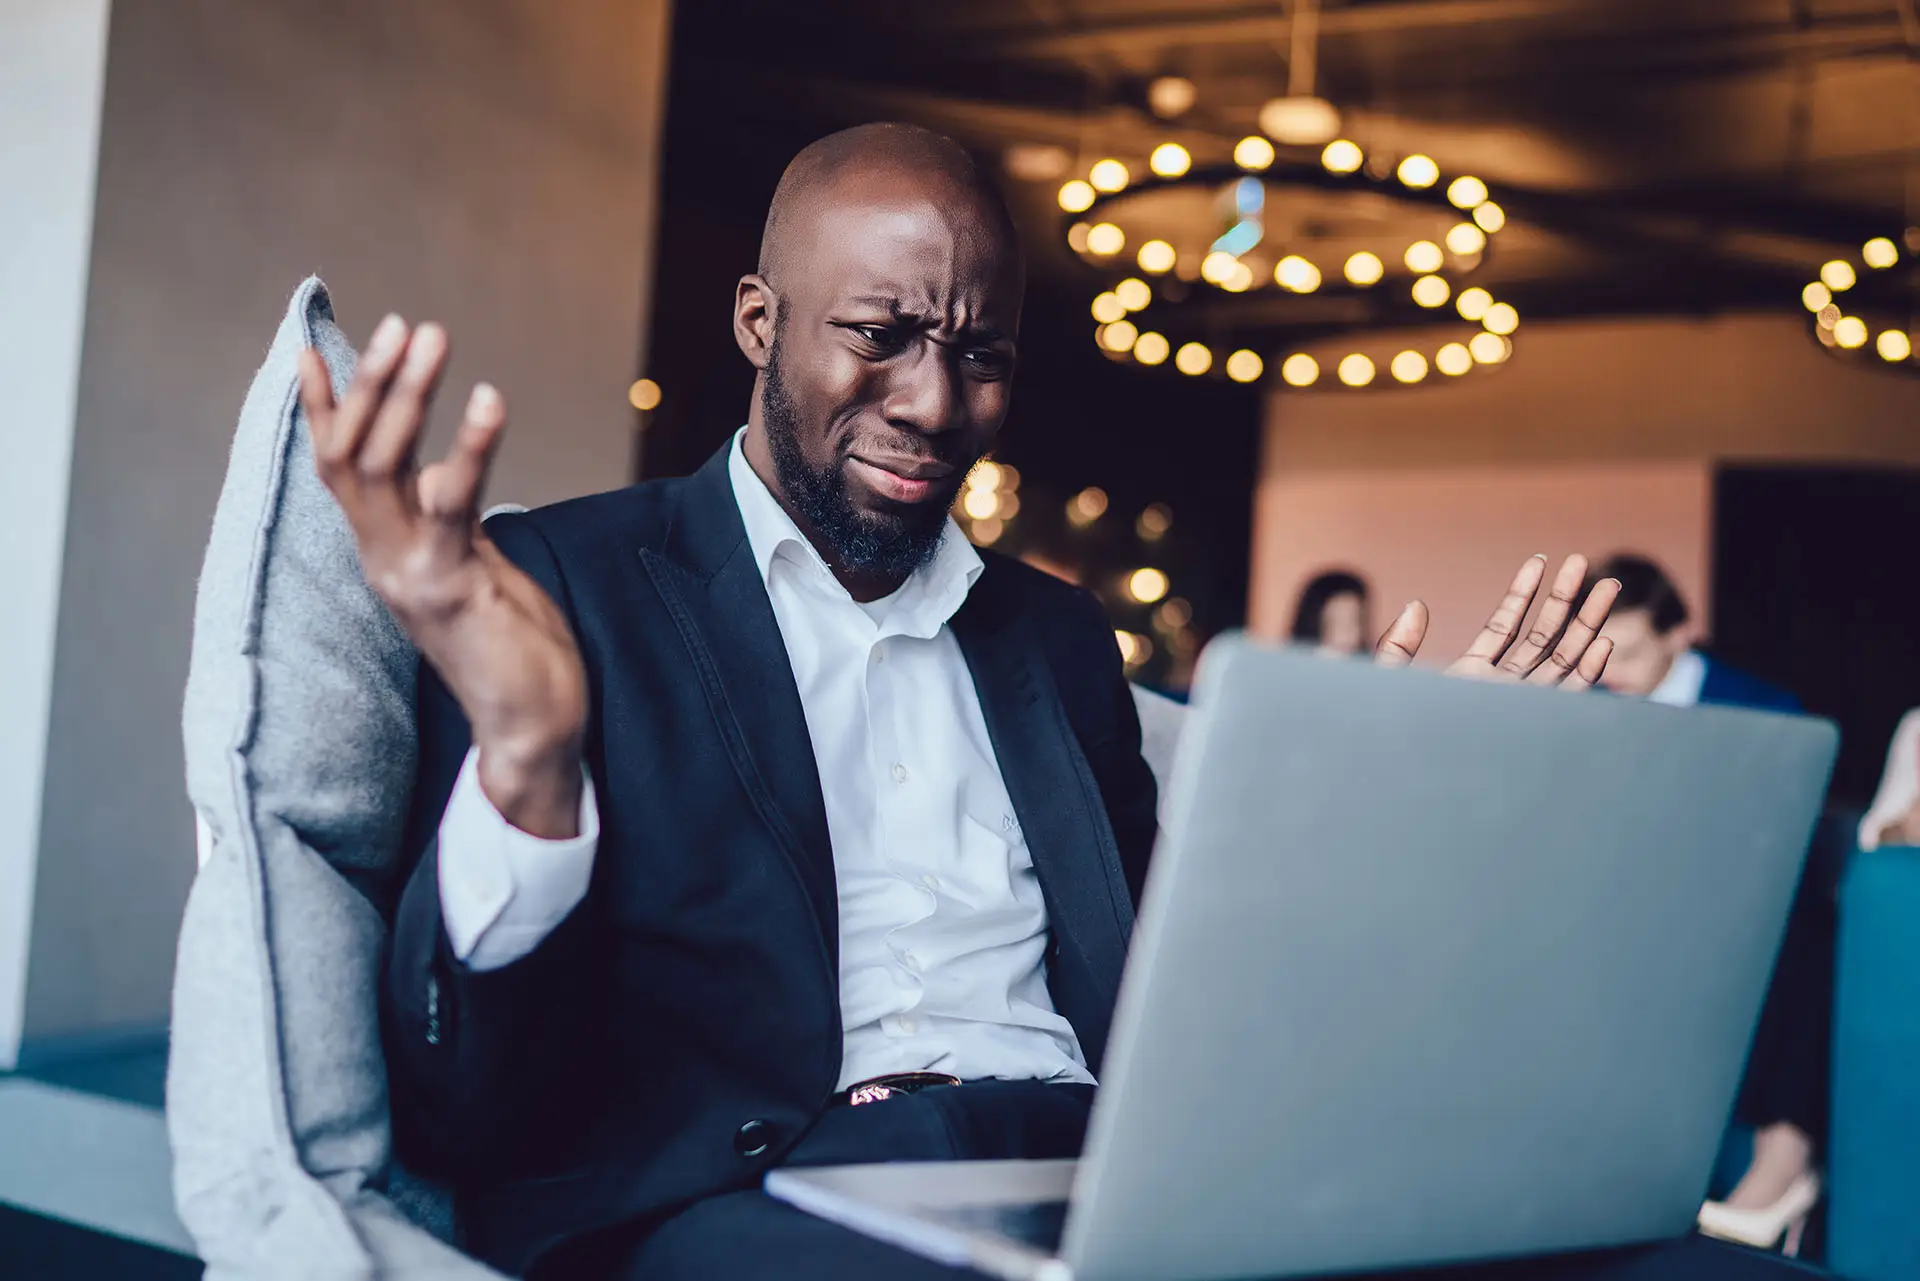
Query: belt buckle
(881, 1088)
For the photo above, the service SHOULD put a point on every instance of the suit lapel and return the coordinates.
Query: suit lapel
(1048, 780)
(706, 575)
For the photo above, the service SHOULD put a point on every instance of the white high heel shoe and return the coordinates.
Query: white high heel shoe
(1780, 1224)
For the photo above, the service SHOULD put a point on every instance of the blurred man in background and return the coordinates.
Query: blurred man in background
(1653, 653)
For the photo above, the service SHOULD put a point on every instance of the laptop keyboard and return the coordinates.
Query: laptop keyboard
(1039, 1224)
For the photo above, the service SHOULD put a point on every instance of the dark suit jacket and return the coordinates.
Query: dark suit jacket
(1731, 686)
(677, 1033)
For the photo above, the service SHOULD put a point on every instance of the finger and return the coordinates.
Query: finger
(1402, 640)
(1581, 633)
(364, 393)
(316, 396)
(396, 427)
(450, 489)
(1504, 625)
(1592, 667)
(1552, 619)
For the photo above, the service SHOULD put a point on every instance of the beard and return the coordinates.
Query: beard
(892, 544)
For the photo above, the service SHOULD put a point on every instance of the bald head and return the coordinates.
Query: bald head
(886, 161)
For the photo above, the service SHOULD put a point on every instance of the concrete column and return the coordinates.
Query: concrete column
(52, 66)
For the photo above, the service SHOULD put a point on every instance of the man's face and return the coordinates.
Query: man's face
(1641, 655)
(890, 372)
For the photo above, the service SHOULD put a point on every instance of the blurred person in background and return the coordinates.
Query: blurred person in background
(1765, 1182)
(1894, 816)
(1333, 613)
(1653, 653)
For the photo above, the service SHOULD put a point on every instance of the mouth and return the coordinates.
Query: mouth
(904, 480)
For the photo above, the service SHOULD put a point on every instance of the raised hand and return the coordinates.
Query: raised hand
(491, 632)
(1561, 648)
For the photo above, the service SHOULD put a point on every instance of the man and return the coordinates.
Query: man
(1767, 1160)
(1653, 654)
(767, 810)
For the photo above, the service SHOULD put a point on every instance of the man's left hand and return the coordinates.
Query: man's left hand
(1561, 648)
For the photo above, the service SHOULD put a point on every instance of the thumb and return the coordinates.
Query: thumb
(1402, 640)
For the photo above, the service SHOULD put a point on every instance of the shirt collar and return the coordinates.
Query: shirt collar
(923, 605)
(1681, 686)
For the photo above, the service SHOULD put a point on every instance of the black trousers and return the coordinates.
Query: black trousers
(748, 1236)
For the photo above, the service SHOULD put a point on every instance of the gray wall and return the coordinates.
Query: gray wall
(488, 163)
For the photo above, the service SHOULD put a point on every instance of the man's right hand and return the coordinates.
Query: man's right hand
(491, 632)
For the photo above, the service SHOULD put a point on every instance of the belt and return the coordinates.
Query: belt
(892, 1085)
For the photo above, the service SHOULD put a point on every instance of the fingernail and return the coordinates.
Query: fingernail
(386, 335)
(485, 401)
(426, 349)
(1539, 555)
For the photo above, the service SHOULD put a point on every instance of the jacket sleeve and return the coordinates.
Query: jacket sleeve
(483, 1065)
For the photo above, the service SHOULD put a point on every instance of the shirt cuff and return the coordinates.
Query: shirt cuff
(503, 891)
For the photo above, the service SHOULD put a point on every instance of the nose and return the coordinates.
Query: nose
(923, 395)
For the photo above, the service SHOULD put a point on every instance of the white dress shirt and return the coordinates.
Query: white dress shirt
(1681, 686)
(943, 929)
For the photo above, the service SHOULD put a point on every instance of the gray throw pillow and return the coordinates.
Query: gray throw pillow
(300, 750)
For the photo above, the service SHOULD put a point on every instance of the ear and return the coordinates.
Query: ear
(754, 304)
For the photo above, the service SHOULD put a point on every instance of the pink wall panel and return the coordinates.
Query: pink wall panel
(1454, 536)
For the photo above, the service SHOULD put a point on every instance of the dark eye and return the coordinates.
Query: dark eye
(988, 361)
(881, 337)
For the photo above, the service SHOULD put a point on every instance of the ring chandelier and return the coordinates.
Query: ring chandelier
(1132, 312)
(1863, 309)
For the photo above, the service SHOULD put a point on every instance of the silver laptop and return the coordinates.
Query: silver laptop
(1426, 971)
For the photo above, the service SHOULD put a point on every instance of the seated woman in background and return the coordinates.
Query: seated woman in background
(1894, 818)
(1333, 614)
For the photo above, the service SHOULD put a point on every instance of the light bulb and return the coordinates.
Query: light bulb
(1300, 370)
(979, 504)
(1217, 266)
(1108, 308)
(1119, 336)
(1501, 318)
(1489, 216)
(1879, 253)
(644, 395)
(1424, 256)
(1342, 156)
(1156, 256)
(986, 532)
(1418, 171)
(1150, 348)
(985, 475)
(1171, 96)
(1133, 293)
(1473, 303)
(1106, 239)
(1465, 193)
(1076, 196)
(1892, 344)
(1364, 269)
(1815, 296)
(1409, 367)
(1356, 370)
(1851, 332)
(1453, 359)
(1193, 359)
(1466, 239)
(1296, 274)
(1253, 152)
(1431, 291)
(1244, 366)
(1169, 160)
(1108, 175)
(1489, 349)
(1239, 280)
(1837, 275)
(1147, 585)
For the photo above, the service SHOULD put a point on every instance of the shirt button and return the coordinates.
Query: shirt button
(931, 881)
(899, 772)
(908, 1025)
(910, 961)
